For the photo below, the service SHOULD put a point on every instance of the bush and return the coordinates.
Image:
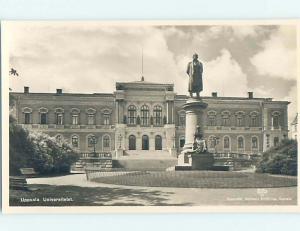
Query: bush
(280, 160)
(38, 151)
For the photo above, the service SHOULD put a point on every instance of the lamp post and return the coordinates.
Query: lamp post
(216, 141)
(94, 142)
(120, 141)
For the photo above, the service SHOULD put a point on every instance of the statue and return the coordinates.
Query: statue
(199, 145)
(194, 70)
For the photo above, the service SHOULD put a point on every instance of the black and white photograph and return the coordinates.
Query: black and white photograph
(134, 116)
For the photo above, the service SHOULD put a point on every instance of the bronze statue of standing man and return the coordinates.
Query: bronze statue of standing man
(194, 70)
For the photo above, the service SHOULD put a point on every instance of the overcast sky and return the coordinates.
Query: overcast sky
(89, 57)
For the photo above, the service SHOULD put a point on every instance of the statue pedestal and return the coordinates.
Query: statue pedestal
(193, 161)
(187, 159)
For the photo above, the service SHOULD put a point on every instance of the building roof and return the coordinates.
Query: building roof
(144, 85)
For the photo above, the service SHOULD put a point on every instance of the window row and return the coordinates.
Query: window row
(238, 119)
(145, 142)
(144, 118)
(91, 141)
(213, 141)
(59, 116)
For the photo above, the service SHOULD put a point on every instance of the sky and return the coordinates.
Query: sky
(89, 57)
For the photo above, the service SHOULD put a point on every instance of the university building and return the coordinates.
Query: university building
(144, 117)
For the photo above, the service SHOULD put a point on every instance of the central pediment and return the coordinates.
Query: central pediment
(144, 85)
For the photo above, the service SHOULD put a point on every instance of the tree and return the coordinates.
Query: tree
(38, 150)
(280, 160)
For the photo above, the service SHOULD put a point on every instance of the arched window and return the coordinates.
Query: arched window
(91, 141)
(157, 115)
(144, 115)
(131, 114)
(132, 142)
(240, 142)
(145, 142)
(254, 142)
(106, 142)
(158, 142)
(276, 120)
(75, 139)
(226, 143)
(59, 116)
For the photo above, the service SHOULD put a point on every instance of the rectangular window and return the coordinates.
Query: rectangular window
(254, 122)
(239, 121)
(59, 119)
(27, 118)
(91, 119)
(75, 119)
(43, 118)
(276, 121)
(106, 120)
(211, 121)
(225, 121)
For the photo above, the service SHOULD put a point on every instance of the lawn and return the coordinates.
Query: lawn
(199, 179)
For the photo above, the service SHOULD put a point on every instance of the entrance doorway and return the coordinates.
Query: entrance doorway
(158, 142)
(132, 142)
(145, 142)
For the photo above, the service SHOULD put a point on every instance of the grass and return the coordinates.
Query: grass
(199, 179)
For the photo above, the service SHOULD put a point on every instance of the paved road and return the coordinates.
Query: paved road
(136, 195)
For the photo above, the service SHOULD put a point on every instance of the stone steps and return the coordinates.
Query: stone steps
(143, 154)
(145, 164)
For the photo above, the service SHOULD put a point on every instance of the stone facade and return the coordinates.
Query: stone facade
(149, 116)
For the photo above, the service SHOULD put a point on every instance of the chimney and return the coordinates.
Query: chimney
(250, 95)
(59, 91)
(26, 89)
(214, 94)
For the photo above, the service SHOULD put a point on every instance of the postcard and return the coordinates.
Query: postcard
(149, 116)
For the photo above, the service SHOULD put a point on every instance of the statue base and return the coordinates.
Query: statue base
(194, 161)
